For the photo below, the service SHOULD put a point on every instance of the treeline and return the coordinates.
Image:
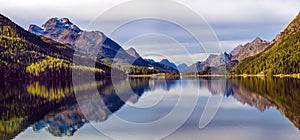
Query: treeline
(210, 70)
(22, 59)
(25, 55)
(281, 58)
(132, 69)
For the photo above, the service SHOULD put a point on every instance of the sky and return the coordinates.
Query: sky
(227, 23)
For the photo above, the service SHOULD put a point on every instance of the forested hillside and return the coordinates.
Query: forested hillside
(23, 54)
(281, 57)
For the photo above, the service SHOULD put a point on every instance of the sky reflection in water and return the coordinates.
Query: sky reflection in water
(250, 110)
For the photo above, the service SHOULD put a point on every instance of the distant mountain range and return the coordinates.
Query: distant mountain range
(281, 56)
(182, 67)
(38, 51)
(212, 60)
(94, 42)
(231, 59)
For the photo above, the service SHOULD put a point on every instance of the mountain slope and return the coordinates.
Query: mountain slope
(217, 60)
(24, 55)
(64, 31)
(249, 49)
(196, 67)
(168, 63)
(182, 67)
(95, 43)
(133, 52)
(212, 60)
(281, 57)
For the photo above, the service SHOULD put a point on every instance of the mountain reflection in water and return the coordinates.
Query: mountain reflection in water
(52, 104)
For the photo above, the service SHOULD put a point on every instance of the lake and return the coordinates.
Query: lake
(148, 108)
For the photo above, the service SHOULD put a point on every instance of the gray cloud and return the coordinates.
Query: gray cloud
(234, 21)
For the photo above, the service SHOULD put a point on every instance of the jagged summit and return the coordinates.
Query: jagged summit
(53, 25)
(133, 52)
(60, 24)
(249, 49)
(61, 30)
(257, 39)
(64, 31)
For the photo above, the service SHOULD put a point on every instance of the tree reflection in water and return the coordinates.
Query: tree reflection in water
(51, 104)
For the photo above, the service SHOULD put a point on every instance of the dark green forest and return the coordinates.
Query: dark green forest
(281, 57)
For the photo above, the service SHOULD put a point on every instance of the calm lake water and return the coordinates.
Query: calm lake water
(250, 109)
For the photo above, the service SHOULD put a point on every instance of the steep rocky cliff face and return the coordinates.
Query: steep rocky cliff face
(249, 49)
(64, 31)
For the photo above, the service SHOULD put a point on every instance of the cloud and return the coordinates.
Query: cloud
(215, 11)
(234, 21)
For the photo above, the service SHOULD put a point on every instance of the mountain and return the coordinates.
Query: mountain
(64, 31)
(182, 67)
(212, 60)
(217, 60)
(196, 67)
(281, 57)
(250, 49)
(61, 30)
(231, 59)
(95, 43)
(26, 55)
(168, 63)
(133, 52)
(150, 60)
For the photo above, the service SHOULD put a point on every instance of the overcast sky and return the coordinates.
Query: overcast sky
(234, 21)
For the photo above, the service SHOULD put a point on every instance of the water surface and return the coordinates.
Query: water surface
(252, 108)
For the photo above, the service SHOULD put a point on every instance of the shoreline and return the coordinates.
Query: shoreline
(218, 75)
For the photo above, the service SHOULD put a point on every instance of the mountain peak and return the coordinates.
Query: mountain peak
(249, 49)
(257, 39)
(36, 29)
(165, 60)
(61, 30)
(60, 24)
(133, 52)
(182, 67)
(168, 63)
(65, 21)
